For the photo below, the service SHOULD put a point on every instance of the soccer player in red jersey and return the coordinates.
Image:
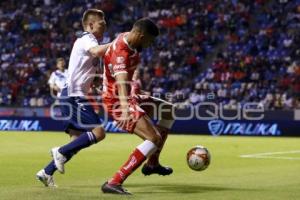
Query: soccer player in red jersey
(121, 61)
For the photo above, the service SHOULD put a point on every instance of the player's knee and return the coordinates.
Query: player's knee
(99, 134)
(74, 134)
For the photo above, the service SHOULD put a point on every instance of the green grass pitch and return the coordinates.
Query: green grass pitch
(274, 176)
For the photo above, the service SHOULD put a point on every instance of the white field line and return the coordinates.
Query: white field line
(269, 155)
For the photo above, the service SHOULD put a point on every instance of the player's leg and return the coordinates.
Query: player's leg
(45, 175)
(162, 111)
(51, 168)
(153, 166)
(84, 119)
(63, 154)
(68, 108)
(81, 119)
(147, 131)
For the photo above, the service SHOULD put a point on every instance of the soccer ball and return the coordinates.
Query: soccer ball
(198, 158)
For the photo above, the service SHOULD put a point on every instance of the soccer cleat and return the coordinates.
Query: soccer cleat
(46, 179)
(114, 189)
(160, 170)
(59, 160)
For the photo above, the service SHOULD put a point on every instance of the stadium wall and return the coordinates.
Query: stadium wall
(274, 123)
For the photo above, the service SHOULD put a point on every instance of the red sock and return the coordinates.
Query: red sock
(134, 161)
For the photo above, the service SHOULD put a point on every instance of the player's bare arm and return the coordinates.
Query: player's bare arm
(136, 74)
(122, 80)
(54, 87)
(99, 51)
(136, 87)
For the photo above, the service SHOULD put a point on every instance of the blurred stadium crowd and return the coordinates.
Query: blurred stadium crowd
(232, 51)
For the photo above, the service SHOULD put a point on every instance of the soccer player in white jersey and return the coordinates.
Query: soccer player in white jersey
(83, 124)
(58, 78)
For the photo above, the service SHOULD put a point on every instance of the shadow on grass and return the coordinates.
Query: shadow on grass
(180, 188)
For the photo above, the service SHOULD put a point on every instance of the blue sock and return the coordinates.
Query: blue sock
(84, 140)
(50, 168)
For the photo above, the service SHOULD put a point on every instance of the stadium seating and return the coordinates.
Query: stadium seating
(232, 51)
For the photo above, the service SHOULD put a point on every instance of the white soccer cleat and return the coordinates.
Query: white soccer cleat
(59, 160)
(46, 179)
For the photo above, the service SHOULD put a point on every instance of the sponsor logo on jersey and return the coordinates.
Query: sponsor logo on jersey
(120, 60)
(119, 67)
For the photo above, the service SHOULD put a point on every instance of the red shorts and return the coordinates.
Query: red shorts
(112, 107)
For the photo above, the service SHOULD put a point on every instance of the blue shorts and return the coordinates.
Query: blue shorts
(78, 112)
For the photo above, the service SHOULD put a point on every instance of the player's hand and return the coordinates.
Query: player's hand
(125, 117)
(135, 88)
(144, 95)
(57, 88)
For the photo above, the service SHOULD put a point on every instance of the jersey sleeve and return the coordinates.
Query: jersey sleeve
(89, 41)
(51, 80)
(119, 62)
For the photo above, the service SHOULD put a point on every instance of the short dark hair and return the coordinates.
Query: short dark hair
(91, 12)
(146, 25)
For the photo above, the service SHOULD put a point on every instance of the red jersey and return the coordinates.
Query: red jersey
(119, 58)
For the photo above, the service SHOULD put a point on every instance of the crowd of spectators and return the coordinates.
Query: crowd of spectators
(232, 51)
(260, 62)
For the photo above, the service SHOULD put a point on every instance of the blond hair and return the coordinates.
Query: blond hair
(89, 14)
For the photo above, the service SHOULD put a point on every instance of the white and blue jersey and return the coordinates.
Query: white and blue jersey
(59, 79)
(82, 67)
